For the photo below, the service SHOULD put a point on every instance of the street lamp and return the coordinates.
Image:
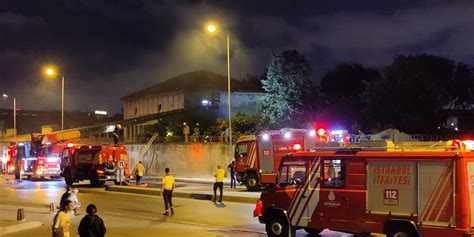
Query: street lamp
(14, 115)
(51, 72)
(212, 28)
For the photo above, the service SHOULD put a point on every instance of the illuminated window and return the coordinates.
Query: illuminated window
(334, 174)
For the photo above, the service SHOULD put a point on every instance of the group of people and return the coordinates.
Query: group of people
(91, 225)
(187, 132)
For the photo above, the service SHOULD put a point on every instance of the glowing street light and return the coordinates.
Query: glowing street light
(51, 72)
(212, 28)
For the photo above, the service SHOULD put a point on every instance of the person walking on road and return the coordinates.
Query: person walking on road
(91, 225)
(75, 201)
(233, 180)
(167, 192)
(139, 171)
(61, 221)
(219, 174)
(65, 195)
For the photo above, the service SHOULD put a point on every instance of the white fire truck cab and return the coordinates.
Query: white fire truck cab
(399, 190)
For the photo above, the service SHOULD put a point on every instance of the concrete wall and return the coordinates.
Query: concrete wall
(184, 160)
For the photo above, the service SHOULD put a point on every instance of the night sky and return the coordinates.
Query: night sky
(110, 48)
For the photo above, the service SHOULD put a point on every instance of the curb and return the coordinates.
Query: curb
(19, 227)
(191, 195)
(184, 180)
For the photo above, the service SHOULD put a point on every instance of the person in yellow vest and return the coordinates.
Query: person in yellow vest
(219, 174)
(167, 192)
(139, 171)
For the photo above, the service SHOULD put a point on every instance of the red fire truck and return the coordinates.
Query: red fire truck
(97, 163)
(257, 157)
(397, 189)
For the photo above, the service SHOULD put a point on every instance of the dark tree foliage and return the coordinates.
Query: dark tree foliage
(417, 91)
(289, 89)
(244, 124)
(341, 90)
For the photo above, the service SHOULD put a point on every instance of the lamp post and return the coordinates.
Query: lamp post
(51, 72)
(14, 115)
(212, 28)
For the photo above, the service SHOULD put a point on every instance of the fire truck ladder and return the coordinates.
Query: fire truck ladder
(146, 147)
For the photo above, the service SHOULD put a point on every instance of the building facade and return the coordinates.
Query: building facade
(188, 91)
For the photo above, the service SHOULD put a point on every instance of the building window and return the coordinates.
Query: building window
(136, 111)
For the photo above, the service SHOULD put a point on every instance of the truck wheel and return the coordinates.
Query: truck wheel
(68, 177)
(401, 232)
(312, 232)
(251, 182)
(279, 227)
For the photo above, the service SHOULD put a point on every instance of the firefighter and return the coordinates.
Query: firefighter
(231, 168)
(139, 171)
(186, 132)
(116, 133)
(195, 136)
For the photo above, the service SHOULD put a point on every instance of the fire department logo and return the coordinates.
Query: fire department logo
(331, 200)
(331, 196)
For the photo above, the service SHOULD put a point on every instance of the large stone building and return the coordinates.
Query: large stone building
(189, 91)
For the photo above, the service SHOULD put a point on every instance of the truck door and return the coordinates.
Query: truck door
(333, 203)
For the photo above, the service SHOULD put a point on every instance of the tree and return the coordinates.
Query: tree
(244, 124)
(416, 92)
(288, 88)
(341, 90)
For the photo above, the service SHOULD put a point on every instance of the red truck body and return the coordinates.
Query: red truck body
(258, 157)
(96, 163)
(397, 192)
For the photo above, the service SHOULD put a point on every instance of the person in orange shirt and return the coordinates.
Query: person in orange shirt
(167, 191)
(219, 174)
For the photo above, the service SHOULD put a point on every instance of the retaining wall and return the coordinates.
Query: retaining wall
(184, 159)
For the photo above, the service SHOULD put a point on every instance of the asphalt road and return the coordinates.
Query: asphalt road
(136, 215)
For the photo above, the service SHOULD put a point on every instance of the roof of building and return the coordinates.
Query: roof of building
(196, 81)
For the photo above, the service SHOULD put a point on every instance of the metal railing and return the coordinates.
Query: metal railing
(195, 139)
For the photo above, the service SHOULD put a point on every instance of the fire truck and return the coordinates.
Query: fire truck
(257, 157)
(97, 163)
(409, 189)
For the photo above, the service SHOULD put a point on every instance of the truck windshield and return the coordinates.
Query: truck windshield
(292, 175)
(241, 150)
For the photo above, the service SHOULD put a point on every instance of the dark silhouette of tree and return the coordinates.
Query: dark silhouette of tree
(416, 92)
(289, 90)
(341, 90)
